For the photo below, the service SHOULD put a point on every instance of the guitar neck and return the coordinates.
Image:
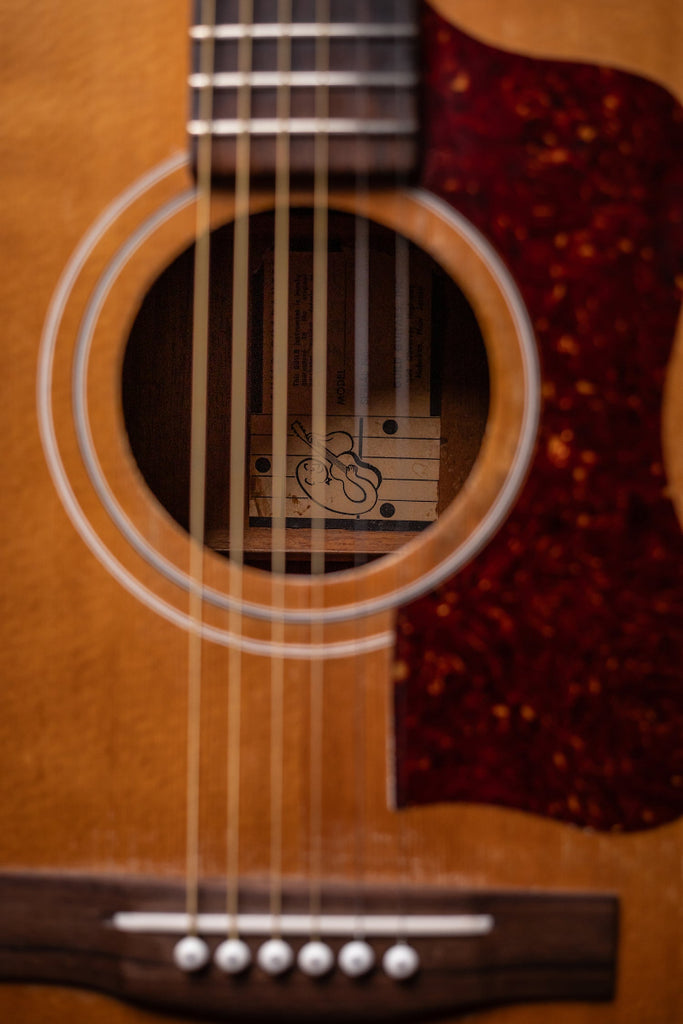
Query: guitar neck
(351, 79)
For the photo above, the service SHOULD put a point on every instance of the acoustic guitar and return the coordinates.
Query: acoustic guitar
(402, 741)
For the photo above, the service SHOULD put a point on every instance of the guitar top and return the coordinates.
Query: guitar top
(480, 727)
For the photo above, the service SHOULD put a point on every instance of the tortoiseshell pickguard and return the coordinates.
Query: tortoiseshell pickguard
(547, 675)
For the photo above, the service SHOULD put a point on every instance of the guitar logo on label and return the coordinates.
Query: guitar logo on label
(334, 476)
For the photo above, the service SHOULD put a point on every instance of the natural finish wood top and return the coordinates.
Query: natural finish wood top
(92, 728)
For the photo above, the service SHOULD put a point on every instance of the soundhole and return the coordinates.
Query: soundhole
(406, 411)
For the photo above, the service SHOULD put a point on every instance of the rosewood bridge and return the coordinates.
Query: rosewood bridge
(473, 949)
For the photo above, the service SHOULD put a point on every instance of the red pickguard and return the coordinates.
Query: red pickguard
(546, 676)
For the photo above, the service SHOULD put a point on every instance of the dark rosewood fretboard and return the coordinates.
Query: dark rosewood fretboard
(353, 77)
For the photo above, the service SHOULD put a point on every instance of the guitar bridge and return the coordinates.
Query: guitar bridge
(475, 949)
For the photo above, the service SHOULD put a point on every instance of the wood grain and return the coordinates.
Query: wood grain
(59, 930)
(92, 729)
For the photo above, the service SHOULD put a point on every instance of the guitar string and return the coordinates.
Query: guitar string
(361, 298)
(238, 448)
(361, 398)
(279, 463)
(402, 413)
(319, 431)
(200, 342)
(237, 490)
(402, 362)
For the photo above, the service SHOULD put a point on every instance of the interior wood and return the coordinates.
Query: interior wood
(156, 383)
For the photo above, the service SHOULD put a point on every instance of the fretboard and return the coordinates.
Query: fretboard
(353, 78)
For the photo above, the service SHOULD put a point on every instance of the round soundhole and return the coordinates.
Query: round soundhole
(406, 393)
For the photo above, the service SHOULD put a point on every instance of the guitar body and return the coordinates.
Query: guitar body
(94, 701)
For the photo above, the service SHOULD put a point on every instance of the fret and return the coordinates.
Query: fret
(303, 126)
(311, 30)
(370, 82)
(294, 79)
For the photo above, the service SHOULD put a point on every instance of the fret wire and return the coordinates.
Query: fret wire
(331, 79)
(306, 30)
(303, 126)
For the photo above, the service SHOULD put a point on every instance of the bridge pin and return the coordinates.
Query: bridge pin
(315, 959)
(401, 961)
(356, 958)
(232, 956)
(191, 954)
(275, 956)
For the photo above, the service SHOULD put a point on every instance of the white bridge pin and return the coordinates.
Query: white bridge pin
(315, 959)
(400, 961)
(232, 956)
(356, 958)
(191, 954)
(275, 956)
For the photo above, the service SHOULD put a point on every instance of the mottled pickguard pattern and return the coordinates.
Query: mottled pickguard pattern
(547, 675)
